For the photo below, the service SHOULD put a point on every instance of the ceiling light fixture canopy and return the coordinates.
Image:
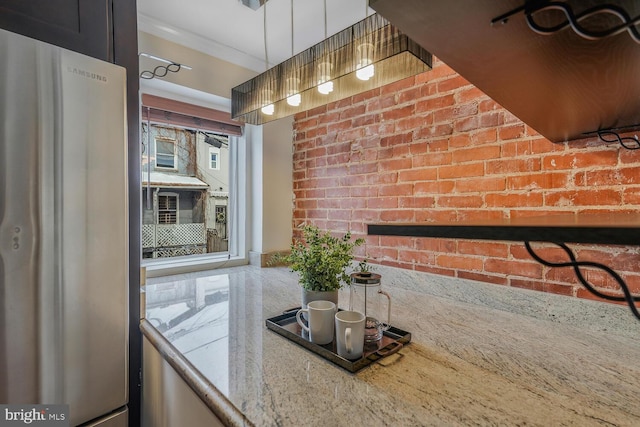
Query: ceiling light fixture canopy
(367, 55)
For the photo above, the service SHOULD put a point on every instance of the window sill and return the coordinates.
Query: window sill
(180, 265)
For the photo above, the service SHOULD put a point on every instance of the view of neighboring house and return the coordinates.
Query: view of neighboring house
(212, 159)
(184, 192)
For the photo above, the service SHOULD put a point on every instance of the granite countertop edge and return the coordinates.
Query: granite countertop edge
(206, 391)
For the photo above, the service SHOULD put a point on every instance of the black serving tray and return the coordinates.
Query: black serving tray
(392, 340)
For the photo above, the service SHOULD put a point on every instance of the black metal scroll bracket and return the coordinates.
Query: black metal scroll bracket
(575, 264)
(161, 71)
(532, 7)
(628, 142)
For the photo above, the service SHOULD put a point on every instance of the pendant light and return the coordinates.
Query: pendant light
(293, 83)
(266, 94)
(293, 95)
(365, 55)
(365, 68)
(369, 54)
(325, 85)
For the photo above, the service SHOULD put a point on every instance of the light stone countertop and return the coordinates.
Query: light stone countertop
(480, 354)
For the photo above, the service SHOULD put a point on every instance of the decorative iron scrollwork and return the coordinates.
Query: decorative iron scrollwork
(628, 142)
(573, 20)
(161, 71)
(629, 298)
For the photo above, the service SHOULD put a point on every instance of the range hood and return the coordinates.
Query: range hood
(562, 85)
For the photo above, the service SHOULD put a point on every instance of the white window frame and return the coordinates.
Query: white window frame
(169, 194)
(175, 157)
(237, 212)
(216, 151)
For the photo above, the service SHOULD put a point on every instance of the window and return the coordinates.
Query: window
(182, 229)
(165, 153)
(167, 208)
(221, 214)
(214, 158)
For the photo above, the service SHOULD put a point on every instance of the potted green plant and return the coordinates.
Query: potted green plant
(321, 261)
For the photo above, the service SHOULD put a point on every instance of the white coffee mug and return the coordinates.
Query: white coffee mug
(350, 334)
(320, 314)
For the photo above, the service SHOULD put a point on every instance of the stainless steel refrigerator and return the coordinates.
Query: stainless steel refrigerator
(63, 231)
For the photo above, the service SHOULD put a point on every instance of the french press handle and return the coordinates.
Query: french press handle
(387, 324)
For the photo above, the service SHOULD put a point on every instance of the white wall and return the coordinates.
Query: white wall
(208, 74)
(254, 137)
(277, 185)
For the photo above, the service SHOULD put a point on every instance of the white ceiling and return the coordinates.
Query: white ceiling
(231, 31)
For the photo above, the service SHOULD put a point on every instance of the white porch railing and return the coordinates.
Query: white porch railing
(165, 239)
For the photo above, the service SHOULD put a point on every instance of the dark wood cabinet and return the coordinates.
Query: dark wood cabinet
(83, 26)
(564, 84)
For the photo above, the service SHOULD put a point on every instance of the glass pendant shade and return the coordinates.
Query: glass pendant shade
(367, 55)
(364, 54)
(365, 73)
(293, 93)
(268, 108)
(325, 85)
(294, 100)
(325, 88)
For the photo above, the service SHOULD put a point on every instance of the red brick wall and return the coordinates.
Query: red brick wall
(435, 148)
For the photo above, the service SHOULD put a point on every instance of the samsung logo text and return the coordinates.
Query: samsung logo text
(87, 74)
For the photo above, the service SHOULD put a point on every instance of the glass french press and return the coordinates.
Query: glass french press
(364, 296)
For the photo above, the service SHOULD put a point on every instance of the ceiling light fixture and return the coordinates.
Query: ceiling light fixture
(325, 85)
(293, 83)
(294, 98)
(266, 94)
(336, 68)
(365, 69)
